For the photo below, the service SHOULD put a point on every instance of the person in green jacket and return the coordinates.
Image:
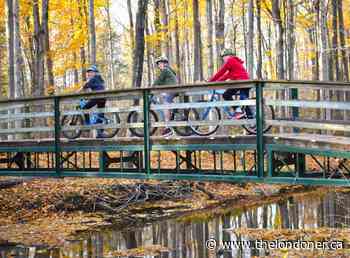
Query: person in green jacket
(167, 76)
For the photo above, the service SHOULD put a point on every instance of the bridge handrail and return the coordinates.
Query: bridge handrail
(195, 86)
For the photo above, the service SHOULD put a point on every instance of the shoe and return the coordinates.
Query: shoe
(238, 115)
(167, 132)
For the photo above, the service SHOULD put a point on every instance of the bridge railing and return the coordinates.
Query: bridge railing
(314, 107)
(131, 113)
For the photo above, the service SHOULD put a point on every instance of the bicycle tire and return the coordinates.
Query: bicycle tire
(72, 120)
(198, 129)
(267, 110)
(137, 117)
(182, 115)
(111, 132)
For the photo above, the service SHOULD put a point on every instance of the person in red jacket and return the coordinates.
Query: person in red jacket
(232, 69)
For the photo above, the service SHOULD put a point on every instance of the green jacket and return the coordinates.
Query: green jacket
(166, 77)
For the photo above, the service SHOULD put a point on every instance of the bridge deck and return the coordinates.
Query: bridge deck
(321, 142)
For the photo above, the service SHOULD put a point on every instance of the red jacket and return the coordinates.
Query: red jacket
(233, 69)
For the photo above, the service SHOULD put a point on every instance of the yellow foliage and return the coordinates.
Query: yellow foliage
(72, 88)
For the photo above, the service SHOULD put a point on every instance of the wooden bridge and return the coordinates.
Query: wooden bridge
(307, 142)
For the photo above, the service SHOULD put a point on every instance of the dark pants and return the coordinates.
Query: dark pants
(229, 93)
(101, 103)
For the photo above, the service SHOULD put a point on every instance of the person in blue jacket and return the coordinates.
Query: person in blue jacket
(95, 82)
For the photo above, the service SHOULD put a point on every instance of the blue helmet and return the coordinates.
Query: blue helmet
(92, 68)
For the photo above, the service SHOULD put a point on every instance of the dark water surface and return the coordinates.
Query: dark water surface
(186, 238)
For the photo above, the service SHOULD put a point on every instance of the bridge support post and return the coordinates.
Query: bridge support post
(259, 128)
(295, 110)
(146, 125)
(102, 161)
(57, 136)
(300, 165)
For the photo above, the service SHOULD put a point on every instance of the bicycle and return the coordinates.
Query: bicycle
(175, 115)
(213, 114)
(95, 118)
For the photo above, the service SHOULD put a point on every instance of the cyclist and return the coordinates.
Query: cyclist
(95, 82)
(232, 69)
(167, 76)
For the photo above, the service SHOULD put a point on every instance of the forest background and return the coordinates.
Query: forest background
(46, 45)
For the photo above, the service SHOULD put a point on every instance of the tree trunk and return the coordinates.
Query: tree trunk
(131, 24)
(279, 32)
(269, 48)
(324, 56)
(111, 52)
(290, 39)
(210, 37)
(220, 30)
(234, 25)
(276, 15)
(75, 70)
(325, 94)
(140, 43)
(244, 23)
(82, 47)
(148, 51)
(344, 59)
(335, 41)
(158, 47)
(198, 69)
(258, 25)
(46, 41)
(250, 60)
(165, 24)
(19, 87)
(314, 61)
(39, 53)
(92, 32)
(177, 46)
(187, 53)
(2, 49)
(11, 49)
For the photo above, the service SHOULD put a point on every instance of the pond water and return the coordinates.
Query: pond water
(186, 237)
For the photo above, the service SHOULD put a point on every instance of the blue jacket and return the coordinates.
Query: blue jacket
(96, 83)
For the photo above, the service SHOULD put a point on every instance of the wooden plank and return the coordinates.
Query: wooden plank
(26, 130)
(19, 116)
(205, 123)
(162, 124)
(102, 110)
(310, 104)
(318, 126)
(310, 86)
(249, 102)
(317, 141)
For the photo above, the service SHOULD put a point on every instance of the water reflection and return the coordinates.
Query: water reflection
(186, 239)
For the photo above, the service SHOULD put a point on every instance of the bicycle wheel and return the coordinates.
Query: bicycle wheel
(137, 117)
(72, 120)
(250, 111)
(109, 119)
(182, 115)
(208, 114)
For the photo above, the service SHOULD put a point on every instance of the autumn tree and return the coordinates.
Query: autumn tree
(198, 68)
(139, 43)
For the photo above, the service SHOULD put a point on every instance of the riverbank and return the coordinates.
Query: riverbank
(48, 211)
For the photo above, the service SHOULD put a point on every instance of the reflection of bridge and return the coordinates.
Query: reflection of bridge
(308, 142)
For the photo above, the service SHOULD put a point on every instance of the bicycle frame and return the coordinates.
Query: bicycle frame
(93, 117)
(155, 101)
(215, 96)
